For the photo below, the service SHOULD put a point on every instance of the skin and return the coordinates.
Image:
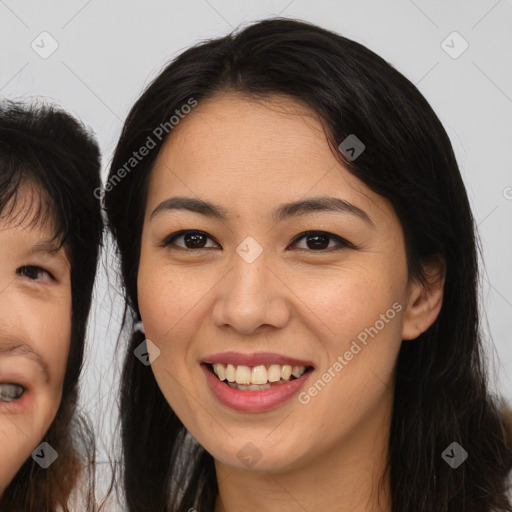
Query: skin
(250, 156)
(35, 310)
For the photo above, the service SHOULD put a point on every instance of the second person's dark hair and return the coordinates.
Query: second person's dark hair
(45, 149)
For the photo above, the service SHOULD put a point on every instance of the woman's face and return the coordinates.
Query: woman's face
(35, 329)
(255, 290)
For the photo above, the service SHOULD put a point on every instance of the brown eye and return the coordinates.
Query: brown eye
(319, 241)
(191, 239)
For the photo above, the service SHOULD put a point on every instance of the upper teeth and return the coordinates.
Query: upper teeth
(257, 374)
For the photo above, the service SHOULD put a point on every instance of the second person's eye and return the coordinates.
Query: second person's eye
(10, 392)
(33, 272)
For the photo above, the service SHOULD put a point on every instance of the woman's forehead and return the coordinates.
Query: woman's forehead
(278, 121)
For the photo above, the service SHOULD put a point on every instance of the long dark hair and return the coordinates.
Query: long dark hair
(441, 392)
(46, 149)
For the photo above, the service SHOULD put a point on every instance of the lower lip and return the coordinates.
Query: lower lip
(253, 401)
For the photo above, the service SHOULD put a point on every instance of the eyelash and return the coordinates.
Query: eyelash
(21, 271)
(168, 241)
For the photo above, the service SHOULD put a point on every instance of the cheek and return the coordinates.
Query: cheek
(358, 322)
(170, 299)
(16, 448)
(171, 304)
(50, 334)
(349, 301)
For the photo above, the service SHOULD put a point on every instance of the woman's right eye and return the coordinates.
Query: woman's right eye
(10, 392)
(192, 239)
(34, 273)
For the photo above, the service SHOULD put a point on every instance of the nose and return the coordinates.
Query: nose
(250, 296)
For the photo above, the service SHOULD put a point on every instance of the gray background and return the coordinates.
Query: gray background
(109, 50)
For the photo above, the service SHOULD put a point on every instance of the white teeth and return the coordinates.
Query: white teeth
(297, 371)
(230, 373)
(286, 371)
(259, 376)
(274, 373)
(219, 371)
(243, 375)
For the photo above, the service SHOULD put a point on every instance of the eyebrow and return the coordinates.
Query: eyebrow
(47, 246)
(50, 248)
(282, 212)
(25, 350)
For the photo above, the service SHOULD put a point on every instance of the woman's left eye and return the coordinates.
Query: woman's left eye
(319, 240)
(33, 272)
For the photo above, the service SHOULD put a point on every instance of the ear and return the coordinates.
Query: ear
(425, 300)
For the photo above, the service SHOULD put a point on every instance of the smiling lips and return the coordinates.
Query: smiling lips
(255, 382)
(262, 368)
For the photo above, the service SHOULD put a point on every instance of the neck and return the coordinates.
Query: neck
(349, 476)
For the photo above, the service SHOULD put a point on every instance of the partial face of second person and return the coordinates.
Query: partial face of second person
(301, 298)
(35, 329)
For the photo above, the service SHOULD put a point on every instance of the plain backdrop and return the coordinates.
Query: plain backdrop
(105, 52)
